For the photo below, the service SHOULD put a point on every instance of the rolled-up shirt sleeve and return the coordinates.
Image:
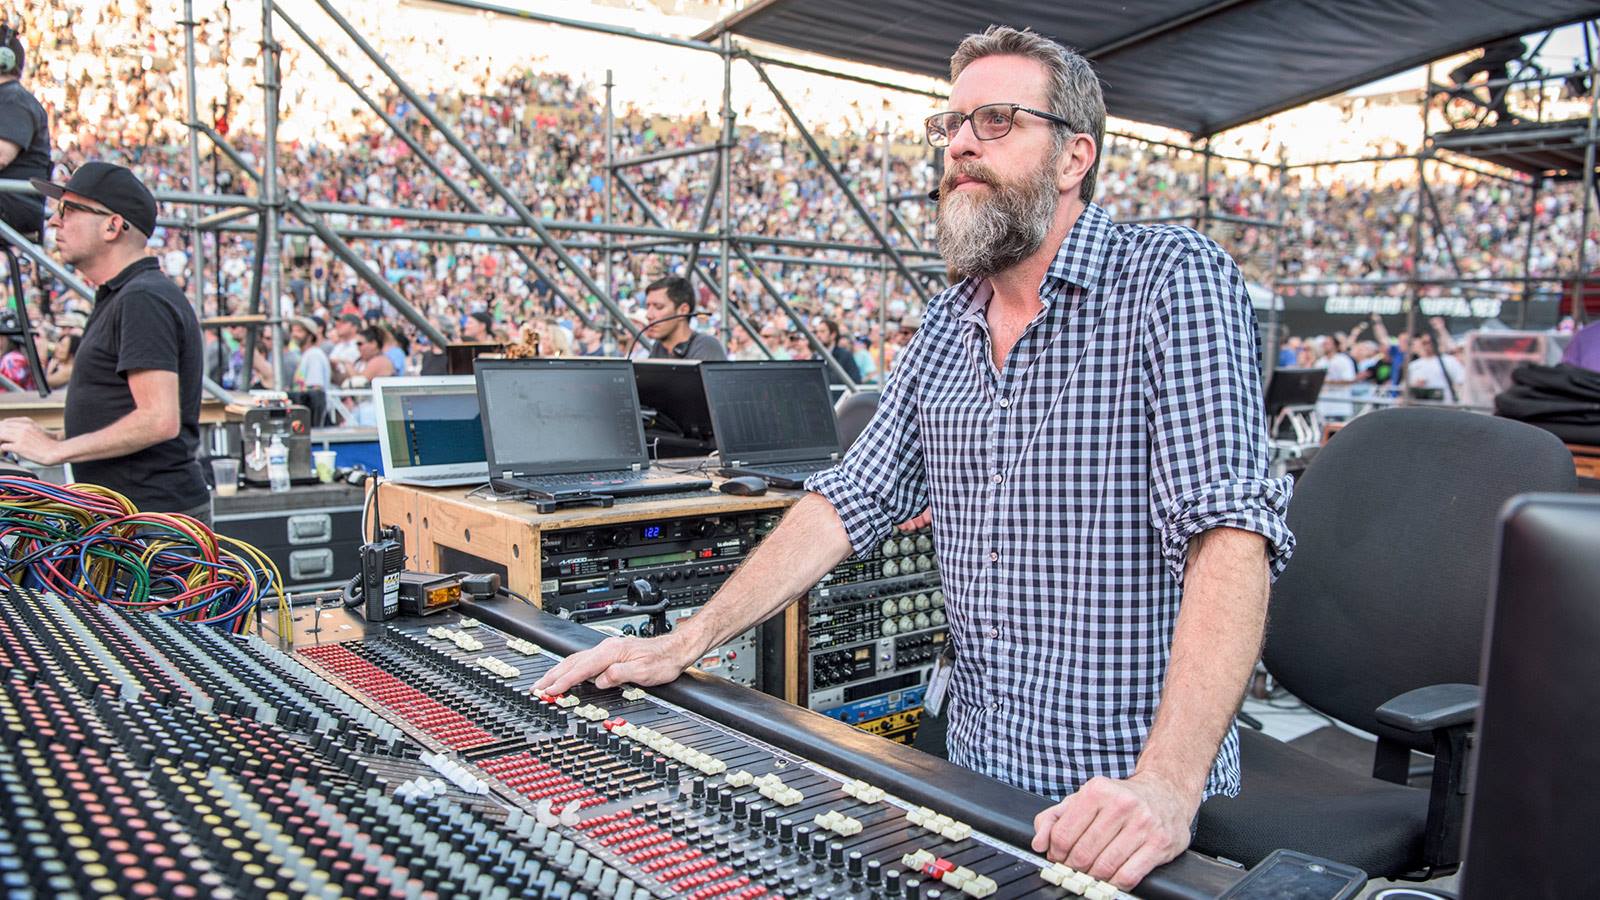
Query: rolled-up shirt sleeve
(882, 480)
(1209, 445)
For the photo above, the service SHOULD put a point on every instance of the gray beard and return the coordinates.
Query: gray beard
(981, 236)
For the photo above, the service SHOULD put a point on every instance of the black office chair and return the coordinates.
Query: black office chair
(854, 411)
(1378, 622)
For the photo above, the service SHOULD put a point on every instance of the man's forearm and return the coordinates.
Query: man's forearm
(133, 432)
(805, 546)
(1214, 647)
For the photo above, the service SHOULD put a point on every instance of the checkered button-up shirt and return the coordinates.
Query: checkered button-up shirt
(1065, 487)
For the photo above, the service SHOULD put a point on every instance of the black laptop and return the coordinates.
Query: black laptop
(676, 420)
(773, 420)
(568, 428)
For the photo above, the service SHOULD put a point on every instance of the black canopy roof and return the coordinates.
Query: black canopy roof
(1201, 66)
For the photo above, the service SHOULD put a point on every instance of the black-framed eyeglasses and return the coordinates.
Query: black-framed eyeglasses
(990, 122)
(74, 206)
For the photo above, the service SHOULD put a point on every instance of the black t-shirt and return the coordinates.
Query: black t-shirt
(23, 122)
(140, 321)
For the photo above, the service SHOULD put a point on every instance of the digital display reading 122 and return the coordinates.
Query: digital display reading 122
(651, 533)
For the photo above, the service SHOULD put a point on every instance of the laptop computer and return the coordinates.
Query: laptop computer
(676, 419)
(429, 430)
(773, 420)
(568, 428)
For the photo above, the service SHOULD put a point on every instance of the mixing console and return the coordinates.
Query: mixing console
(142, 757)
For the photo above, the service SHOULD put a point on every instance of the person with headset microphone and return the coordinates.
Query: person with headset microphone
(24, 138)
(669, 305)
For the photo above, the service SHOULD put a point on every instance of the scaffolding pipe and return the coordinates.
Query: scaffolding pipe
(36, 253)
(705, 213)
(498, 241)
(1580, 284)
(663, 155)
(366, 273)
(1414, 291)
(1274, 335)
(725, 166)
(197, 251)
(838, 179)
(478, 215)
(477, 165)
(340, 248)
(889, 216)
(1439, 235)
(694, 265)
(1527, 256)
(270, 199)
(816, 345)
(580, 24)
(611, 156)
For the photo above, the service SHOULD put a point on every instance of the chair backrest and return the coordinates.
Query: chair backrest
(1395, 527)
(854, 411)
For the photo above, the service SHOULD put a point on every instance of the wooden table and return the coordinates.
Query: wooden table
(1587, 459)
(50, 412)
(443, 525)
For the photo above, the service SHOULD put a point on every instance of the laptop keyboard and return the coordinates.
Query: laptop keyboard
(793, 468)
(589, 478)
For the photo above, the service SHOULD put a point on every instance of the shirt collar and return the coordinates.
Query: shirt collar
(1080, 261)
(1082, 257)
(116, 282)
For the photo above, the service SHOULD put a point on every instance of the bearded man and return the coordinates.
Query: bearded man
(1081, 414)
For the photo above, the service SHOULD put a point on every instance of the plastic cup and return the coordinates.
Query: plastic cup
(324, 461)
(226, 470)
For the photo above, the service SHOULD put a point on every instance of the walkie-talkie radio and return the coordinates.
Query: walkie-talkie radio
(381, 563)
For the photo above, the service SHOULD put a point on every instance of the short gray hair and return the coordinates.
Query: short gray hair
(1074, 89)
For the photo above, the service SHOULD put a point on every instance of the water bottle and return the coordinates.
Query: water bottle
(278, 465)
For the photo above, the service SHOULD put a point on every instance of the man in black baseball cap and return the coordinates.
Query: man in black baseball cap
(111, 187)
(133, 404)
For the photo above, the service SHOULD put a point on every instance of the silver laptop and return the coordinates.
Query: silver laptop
(430, 431)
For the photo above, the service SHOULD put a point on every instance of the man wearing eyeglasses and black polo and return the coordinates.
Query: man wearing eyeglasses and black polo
(1081, 414)
(133, 404)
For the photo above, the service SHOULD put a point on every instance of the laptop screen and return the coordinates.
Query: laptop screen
(552, 416)
(771, 411)
(430, 422)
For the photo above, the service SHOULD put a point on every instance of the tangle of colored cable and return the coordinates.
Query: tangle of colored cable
(88, 543)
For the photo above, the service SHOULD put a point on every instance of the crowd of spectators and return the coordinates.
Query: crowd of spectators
(111, 76)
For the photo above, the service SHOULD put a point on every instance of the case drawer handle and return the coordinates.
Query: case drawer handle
(311, 528)
(305, 565)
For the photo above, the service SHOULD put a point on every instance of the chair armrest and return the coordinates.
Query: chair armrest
(1431, 708)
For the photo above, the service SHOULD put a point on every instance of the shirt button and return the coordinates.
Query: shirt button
(995, 706)
(994, 632)
(996, 478)
(1005, 402)
(994, 556)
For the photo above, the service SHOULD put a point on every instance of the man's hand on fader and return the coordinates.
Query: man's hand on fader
(1117, 830)
(621, 660)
